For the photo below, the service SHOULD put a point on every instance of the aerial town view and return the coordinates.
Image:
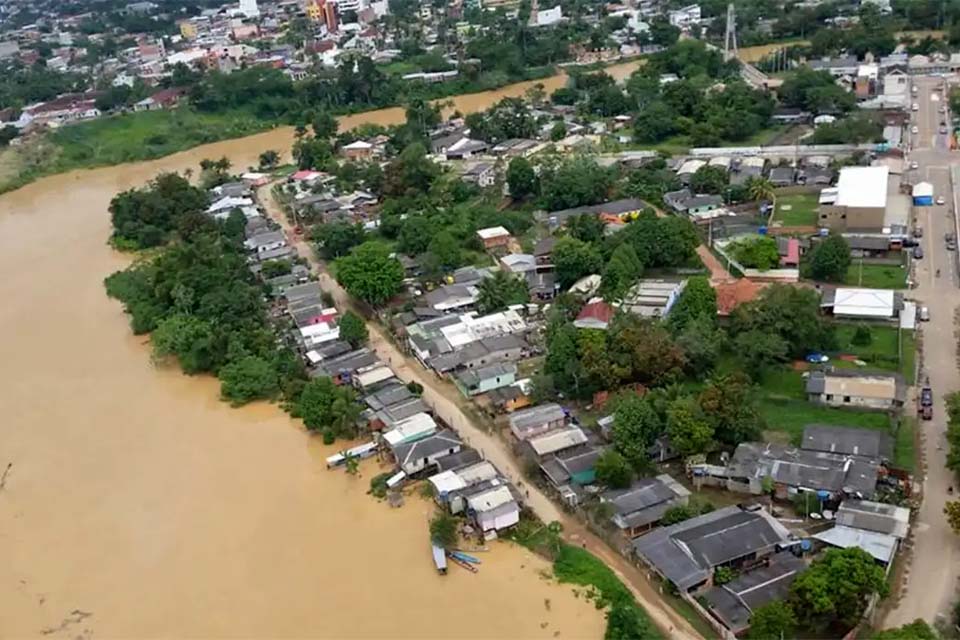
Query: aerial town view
(480, 319)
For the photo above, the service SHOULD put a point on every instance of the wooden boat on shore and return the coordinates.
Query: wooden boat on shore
(461, 563)
(440, 560)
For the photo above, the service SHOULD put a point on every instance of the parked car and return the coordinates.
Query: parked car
(940, 200)
(918, 253)
(924, 314)
(943, 129)
(918, 232)
(914, 129)
(951, 241)
(914, 164)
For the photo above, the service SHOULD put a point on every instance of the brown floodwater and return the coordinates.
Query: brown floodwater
(135, 504)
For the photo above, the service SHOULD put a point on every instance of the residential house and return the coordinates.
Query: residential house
(734, 603)
(266, 241)
(483, 175)
(532, 422)
(687, 553)
(342, 368)
(494, 237)
(555, 441)
(837, 67)
(782, 176)
(853, 441)
(371, 377)
(543, 250)
(595, 315)
(416, 427)
(789, 250)
(882, 547)
(418, 456)
(450, 297)
(508, 399)
(792, 471)
(163, 99)
(494, 510)
(851, 388)
(682, 201)
(624, 209)
(388, 397)
(519, 263)
(685, 17)
(453, 486)
(542, 285)
(357, 150)
(863, 304)
(571, 469)
(640, 507)
(476, 381)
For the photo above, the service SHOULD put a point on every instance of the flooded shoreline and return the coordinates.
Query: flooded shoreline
(139, 505)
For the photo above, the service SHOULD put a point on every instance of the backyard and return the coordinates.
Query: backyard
(876, 276)
(796, 210)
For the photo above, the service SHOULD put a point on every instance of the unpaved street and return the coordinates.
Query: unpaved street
(445, 400)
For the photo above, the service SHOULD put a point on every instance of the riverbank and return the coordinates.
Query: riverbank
(137, 504)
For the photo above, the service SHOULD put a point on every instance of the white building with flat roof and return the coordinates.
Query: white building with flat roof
(860, 200)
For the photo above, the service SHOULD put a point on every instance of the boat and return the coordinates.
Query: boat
(361, 451)
(474, 549)
(440, 560)
(462, 563)
(460, 555)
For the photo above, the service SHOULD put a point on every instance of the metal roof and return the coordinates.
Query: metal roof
(848, 440)
(875, 516)
(879, 545)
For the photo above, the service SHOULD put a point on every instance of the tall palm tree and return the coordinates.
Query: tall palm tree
(761, 189)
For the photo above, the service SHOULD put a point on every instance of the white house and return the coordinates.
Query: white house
(414, 457)
(494, 509)
(685, 17)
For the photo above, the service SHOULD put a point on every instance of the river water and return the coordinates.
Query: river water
(136, 504)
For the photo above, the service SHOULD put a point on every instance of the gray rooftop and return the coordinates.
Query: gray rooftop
(388, 396)
(734, 602)
(535, 417)
(687, 552)
(872, 443)
(474, 376)
(429, 446)
(875, 516)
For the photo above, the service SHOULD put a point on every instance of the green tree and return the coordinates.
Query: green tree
(247, 379)
(269, 159)
(443, 530)
(646, 347)
(275, 268)
(952, 510)
(521, 179)
(756, 253)
(916, 630)
(573, 259)
(443, 252)
(697, 300)
(625, 621)
(834, 591)
(574, 181)
(760, 349)
(370, 273)
(830, 259)
(415, 234)
(563, 363)
(146, 217)
(558, 131)
(773, 621)
(635, 427)
(324, 125)
(622, 272)
(322, 405)
(862, 337)
(353, 329)
(728, 405)
(760, 189)
(586, 227)
(410, 173)
(335, 239)
(789, 313)
(688, 429)
(186, 337)
(613, 471)
(701, 342)
(709, 179)
(500, 291)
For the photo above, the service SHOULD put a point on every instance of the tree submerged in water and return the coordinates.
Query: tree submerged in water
(443, 530)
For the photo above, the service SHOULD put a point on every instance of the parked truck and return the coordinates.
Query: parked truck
(926, 402)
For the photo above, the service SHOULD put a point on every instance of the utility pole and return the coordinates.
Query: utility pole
(730, 39)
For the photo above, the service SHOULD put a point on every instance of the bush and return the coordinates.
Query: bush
(329, 437)
(378, 485)
(862, 337)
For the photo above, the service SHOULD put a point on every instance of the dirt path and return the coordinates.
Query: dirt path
(446, 402)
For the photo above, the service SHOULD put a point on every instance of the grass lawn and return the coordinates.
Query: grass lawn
(883, 352)
(797, 210)
(876, 276)
(904, 454)
(786, 410)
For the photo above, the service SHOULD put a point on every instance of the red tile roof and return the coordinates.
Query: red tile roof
(599, 310)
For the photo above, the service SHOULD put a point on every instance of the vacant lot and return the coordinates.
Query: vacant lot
(876, 276)
(797, 210)
(884, 351)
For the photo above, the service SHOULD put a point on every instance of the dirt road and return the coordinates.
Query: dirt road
(446, 402)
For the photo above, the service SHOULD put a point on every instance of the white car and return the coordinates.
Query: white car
(914, 165)
(914, 129)
(940, 200)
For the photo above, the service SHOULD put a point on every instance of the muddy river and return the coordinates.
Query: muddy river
(135, 504)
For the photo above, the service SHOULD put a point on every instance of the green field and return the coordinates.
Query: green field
(883, 352)
(786, 409)
(797, 210)
(876, 276)
(146, 135)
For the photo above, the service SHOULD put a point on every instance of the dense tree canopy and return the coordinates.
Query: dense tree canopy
(370, 273)
(146, 217)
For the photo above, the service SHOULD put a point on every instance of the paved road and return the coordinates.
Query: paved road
(446, 402)
(931, 585)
